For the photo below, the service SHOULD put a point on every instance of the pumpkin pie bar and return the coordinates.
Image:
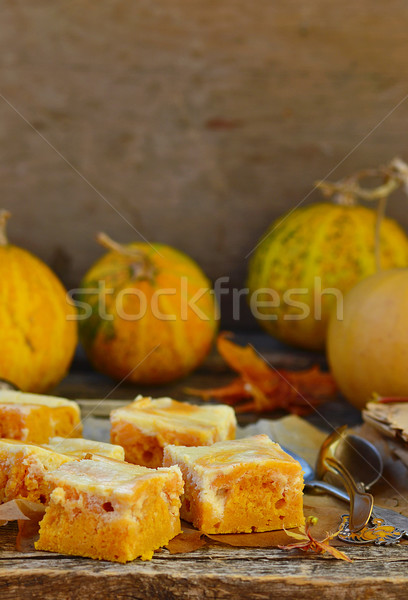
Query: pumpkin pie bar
(79, 447)
(22, 470)
(111, 510)
(239, 486)
(23, 465)
(144, 427)
(36, 418)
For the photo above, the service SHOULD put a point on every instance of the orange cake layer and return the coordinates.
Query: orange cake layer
(111, 510)
(36, 418)
(79, 447)
(22, 470)
(144, 427)
(239, 486)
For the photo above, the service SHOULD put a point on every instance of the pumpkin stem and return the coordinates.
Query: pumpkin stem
(347, 191)
(143, 267)
(4, 216)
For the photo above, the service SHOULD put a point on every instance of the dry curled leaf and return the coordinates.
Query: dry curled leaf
(262, 388)
(389, 416)
(28, 516)
(307, 543)
(187, 541)
(21, 510)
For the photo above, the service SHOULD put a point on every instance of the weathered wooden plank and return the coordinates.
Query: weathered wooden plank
(212, 551)
(221, 573)
(214, 571)
(222, 553)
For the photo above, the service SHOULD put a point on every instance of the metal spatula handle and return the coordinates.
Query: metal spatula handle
(361, 503)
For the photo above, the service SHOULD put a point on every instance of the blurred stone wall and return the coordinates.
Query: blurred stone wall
(190, 122)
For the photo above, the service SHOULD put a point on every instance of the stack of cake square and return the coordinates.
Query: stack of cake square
(231, 486)
(178, 456)
(97, 505)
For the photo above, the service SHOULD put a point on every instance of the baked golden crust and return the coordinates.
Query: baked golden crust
(79, 447)
(36, 418)
(111, 510)
(239, 486)
(145, 426)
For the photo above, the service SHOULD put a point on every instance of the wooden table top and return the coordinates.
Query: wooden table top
(214, 571)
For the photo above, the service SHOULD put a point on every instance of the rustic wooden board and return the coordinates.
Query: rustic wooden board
(214, 571)
(211, 572)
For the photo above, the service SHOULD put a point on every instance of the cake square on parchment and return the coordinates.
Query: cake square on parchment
(239, 486)
(111, 510)
(36, 418)
(146, 426)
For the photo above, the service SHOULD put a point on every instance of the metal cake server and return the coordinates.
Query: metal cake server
(381, 518)
(331, 460)
(361, 503)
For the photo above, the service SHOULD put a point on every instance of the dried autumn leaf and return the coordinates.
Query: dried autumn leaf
(28, 516)
(308, 543)
(298, 536)
(263, 388)
(187, 541)
(229, 393)
(21, 510)
(243, 360)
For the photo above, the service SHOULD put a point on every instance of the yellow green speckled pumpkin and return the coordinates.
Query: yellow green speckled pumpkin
(319, 247)
(38, 332)
(158, 315)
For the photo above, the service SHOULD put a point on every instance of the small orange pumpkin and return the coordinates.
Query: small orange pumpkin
(38, 332)
(152, 313)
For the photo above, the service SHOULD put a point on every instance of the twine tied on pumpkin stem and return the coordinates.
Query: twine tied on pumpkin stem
(347, 191)
(4, 217)
(143, 267)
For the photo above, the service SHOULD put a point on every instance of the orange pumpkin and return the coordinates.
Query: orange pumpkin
(148, 313)
(38, 332)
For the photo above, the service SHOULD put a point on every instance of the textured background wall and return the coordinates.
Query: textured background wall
(194, 122)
